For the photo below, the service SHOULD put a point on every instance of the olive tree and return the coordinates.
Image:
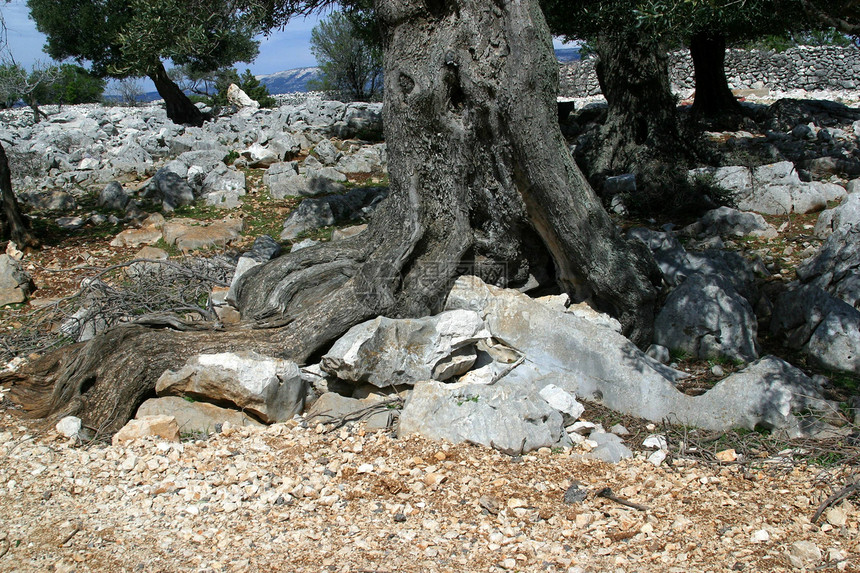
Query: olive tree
(132, 38)
(480, 179)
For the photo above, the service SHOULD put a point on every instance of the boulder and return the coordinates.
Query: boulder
(189, 236)
(707, 318)
(237, 97)
(326, 173)
(310, 215)
(70, 223)
(169, 189)
(142, 269)
(223, 186)
(15, 283)
(136, 237)
(264, 248)
(804, 555)
(283, 180)
(332, 407)
(365, 160)
(619, 184)
(836, 266)
(562, 401)
(164, 427)
(774, 189)
(69, 426)
(270, 388)
(596, 363)
(610, 448)
(502, 416)
(826, 328)
(194, 417)
(113, 196)
(320, 212)
(327, 153)
(260, 156)
(387, 352)
(677, 264)
(347, 232)
(55, 201)
(726, 221)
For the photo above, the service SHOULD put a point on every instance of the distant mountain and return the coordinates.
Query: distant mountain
(296, 80)
(289, 81)
(565, 55)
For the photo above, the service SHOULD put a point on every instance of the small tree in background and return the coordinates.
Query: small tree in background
(349, 62)
(189, 79)
(72, 85)
(130, 91)
(10, 75)
(31, 88)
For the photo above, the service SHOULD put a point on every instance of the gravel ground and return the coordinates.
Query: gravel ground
(288, 498)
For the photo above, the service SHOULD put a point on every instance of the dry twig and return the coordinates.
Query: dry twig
(843, 493)
(607, 494)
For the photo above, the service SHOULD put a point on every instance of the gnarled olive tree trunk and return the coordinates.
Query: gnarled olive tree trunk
(12, 224)
(481, 182)
(180, 109)
(714, 98)
(641, 121)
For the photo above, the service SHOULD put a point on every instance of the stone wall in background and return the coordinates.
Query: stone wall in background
(806, 68)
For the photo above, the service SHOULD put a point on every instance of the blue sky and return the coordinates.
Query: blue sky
(282, 50)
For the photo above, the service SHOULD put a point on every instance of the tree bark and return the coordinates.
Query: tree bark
(713, 97)
(12, 224)
(180, 109)
(481, 182)
(641, 121)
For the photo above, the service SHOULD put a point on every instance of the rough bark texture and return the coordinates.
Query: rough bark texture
(12, 224)
(481, 182)
(713, 97)
(180, 109)
(641, 120)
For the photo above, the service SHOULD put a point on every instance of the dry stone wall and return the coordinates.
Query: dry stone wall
(806, 68)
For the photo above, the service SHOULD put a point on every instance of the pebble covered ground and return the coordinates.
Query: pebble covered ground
(294, 498)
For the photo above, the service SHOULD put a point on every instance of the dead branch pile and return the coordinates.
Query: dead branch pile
(109, 296)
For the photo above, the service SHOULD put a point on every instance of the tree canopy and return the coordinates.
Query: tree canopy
(128, 38)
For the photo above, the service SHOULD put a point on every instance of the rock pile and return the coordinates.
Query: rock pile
(496, 367)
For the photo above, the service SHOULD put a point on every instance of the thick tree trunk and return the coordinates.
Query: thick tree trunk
(180, 109)
(641, 121)
(12, 224)
(481, 182)
(713, 97)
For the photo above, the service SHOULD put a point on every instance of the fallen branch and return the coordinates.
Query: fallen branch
(5, 550)
(69, 536)
(607, 493)
(835, 498)
(390, 405)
